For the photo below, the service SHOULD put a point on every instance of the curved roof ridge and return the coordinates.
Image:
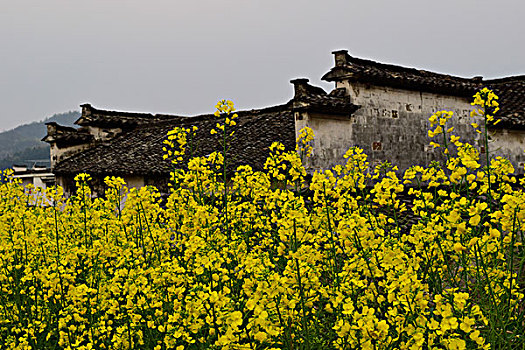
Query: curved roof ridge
(404, 69)
(513, 78)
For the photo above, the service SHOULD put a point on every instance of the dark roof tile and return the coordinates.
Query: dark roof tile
(104, 118)
(511, 90)
(139, 151)
(382, 74)
(314, 99)
(66, 136)
(511, 93)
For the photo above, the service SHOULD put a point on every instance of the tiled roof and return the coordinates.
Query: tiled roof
(511, 92)
(363, 70)
(139, 151)
(315, 99)
(137, 146)
(64, 135)
(104, 118)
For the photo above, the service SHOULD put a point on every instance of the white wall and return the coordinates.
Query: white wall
(393, 120)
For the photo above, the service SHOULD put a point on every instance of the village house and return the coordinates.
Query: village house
(130, 145)
(37, 175)
(381, 108)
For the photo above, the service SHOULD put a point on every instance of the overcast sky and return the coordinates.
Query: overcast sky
(180, 57)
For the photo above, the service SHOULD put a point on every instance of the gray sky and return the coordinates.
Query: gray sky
(180, 57)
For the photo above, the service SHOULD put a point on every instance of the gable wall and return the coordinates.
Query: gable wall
(391, 125)
(57, 154)
(60, 153)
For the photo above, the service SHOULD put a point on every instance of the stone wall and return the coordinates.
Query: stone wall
(391, 125)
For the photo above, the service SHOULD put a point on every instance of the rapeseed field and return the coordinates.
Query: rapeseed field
(347, 258)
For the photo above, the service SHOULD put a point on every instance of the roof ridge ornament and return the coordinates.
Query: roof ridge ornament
(341, 57)
(300, 86)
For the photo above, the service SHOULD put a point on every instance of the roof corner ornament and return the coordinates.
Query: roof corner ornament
(51, 130)
(86, 109)
(300, 86)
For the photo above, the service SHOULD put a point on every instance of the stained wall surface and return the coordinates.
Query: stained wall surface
(57, 154)
(391, 125)
(509, 144)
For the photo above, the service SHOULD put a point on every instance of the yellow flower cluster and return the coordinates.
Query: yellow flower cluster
(488, 104)
(351, 259)
(224, 110)
(438, 121)
(304, 142)
(179, 135)
(285, 166)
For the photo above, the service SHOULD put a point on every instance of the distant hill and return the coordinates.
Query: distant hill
(28, 156)
(22, 144)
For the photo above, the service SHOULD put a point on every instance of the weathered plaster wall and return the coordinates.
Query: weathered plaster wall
(57, 154)
(509, 144)
(391, 125)
(134, 181)
(67, 183)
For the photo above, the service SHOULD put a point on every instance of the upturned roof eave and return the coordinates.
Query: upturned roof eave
(334, 74)
(452, 90)
(347, 111)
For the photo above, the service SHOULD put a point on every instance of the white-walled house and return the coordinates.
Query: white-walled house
(381, 108)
